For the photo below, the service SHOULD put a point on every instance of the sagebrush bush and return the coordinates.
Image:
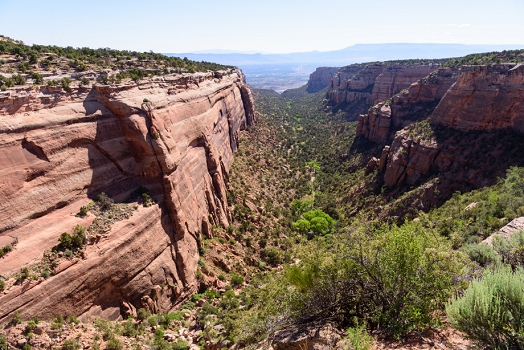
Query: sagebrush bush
(481, 253)
(491, 310)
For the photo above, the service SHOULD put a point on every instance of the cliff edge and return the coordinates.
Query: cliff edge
(173, 136)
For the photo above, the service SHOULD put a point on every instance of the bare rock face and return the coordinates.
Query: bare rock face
(374, 82)
(514, 226)
(484, 98)
(410, 105)
(174, 135)
(408, 159)
(321, 78)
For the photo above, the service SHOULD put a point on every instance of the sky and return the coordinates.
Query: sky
(271, 26)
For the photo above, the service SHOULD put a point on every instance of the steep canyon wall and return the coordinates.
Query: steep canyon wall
(174, 135)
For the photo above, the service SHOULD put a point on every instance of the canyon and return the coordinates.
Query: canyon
(173, 135)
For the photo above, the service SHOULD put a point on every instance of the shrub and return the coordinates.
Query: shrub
(3, 343)
(79, 236)
(2, 285)
(66, 241)
(58, 322)
(492, 309)
(181, 345)
(71, 344)
(142, 314)
(359, 338)
(17, 318)
(84, 81)
(129, 329)
(481, 253)
(83, 211)
(114, 344)
(236, 280)
(18, 79)
(272, 256)
(37, 78)
(104, 202)
(65, 81)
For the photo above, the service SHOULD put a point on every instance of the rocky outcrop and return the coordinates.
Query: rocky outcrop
(409, 158)
(320, 78)
(174, 135)
(415, 103)
(374, 82)
(484, 98)
(508, 230)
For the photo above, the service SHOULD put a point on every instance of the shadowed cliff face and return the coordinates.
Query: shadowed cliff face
(174, 135)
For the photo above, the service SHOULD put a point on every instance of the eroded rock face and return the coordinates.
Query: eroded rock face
(321, 78)
(374, 82)
(175, 135)
(409, 158)
(484, 98)
(415, 103)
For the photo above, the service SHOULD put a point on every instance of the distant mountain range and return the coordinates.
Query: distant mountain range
(353, 54)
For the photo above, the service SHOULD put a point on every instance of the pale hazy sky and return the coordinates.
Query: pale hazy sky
(259, 25)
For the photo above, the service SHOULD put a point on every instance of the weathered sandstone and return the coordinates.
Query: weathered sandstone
(174, 135)
(484, 98)
(374, 82)
(321, 78)
(412, 104)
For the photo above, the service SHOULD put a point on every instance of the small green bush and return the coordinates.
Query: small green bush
(181, 345)
(17, 318)
(71, 344)
(58, 322)
(481, 253)
(491, 310)
(38, 79)
(359, 338)
(114, 344)
(66, 83)
(66, 241)
(142, 314)
(236, 280)
(3, 343)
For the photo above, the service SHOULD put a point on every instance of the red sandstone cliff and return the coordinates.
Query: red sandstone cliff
(461, 138)
(374, 82)
(414, 103)
(484, 98)
(174, 135)
(321, 78)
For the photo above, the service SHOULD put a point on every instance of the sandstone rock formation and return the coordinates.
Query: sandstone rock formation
(508, 230)
(374, 82)
(415, 103)
(321, 78)
(174, 135)
(484, 98)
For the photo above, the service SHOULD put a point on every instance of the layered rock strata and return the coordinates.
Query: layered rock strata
(484, 101)
(374, 82)
(484, 98)
(414, 103)
(321, 78)
(174, 135)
